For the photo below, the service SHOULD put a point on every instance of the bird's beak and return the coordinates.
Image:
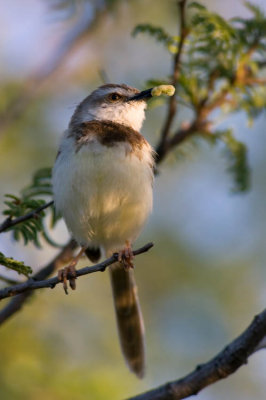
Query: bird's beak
(144, 95)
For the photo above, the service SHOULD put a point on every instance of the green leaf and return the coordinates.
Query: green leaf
(41, 184)
(31, 199)
(236, 152)
(15, 265)
(208, 22)
(159, 34)
(196, 5)
(13, 197)
(256, 10)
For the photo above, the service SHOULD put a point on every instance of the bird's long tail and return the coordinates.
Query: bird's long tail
(129, 318)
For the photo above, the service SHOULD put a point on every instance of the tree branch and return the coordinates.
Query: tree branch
(64, 256)
(221, 366)
(9, 222)
(179, 137)
(33, 283)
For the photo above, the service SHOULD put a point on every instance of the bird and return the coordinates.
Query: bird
(103, 187)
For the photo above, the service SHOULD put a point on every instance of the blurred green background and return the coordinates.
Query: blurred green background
(205, 278)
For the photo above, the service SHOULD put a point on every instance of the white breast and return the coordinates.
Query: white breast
(104, 193)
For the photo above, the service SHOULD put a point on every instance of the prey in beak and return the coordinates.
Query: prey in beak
(168, 90)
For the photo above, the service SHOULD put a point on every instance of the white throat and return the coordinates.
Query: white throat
(131, 114)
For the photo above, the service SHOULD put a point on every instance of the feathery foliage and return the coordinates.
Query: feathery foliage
(220, 69)
(236, 153)
(18, 207)
(159, 34)
(32, 197)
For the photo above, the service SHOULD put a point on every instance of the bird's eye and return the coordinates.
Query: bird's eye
(115, 97)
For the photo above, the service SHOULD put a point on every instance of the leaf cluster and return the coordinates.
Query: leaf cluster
(32, 197)
(220, 68)
(18, 207)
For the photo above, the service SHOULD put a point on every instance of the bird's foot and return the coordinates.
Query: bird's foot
(68, 273)
(126, 256)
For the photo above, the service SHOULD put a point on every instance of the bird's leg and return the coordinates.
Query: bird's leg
(126, 256)
(70, 271)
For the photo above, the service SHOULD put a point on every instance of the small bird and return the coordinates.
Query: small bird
(102, 185)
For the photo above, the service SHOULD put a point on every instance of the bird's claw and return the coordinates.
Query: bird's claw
(125, 256)
(68, 273)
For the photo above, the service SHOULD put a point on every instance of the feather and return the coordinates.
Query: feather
(129, 318)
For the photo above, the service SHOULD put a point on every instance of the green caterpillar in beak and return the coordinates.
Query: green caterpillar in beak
(168, 90)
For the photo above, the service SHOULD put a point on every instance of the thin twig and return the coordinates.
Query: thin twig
(72, 39)
(9, 222)
(182, 134)
(172, 103)
(33, 284)
(221, 366)
(179, 137)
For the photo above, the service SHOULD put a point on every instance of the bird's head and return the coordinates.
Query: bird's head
(117, 103)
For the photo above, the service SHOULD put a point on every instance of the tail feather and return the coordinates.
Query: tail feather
(129, 318)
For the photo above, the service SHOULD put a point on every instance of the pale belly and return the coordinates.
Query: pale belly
(104, 194)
